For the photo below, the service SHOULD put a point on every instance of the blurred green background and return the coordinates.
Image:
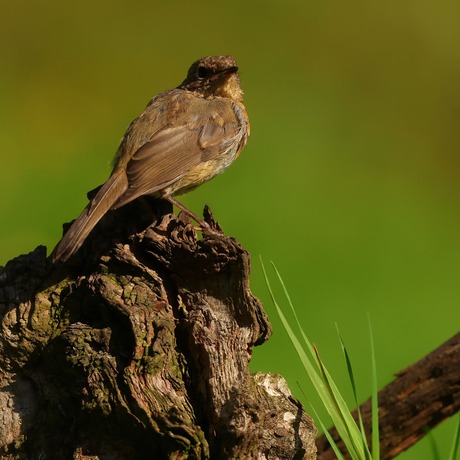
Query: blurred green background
(350, 180)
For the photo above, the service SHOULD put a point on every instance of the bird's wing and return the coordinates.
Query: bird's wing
(202, 131)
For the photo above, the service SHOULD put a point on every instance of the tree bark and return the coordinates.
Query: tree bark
(422, 395)
(139, 349)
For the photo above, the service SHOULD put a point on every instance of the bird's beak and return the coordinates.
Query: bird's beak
(229, 70)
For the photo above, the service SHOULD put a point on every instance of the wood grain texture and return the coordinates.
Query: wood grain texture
(139, 349)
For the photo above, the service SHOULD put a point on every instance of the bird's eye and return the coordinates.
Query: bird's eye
(202, 72)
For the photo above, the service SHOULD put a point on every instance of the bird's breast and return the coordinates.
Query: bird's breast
(211, 166)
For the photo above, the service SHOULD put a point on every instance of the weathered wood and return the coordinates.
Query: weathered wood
(139, 349)
(422, 396)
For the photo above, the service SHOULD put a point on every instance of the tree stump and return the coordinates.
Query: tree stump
(139, 349)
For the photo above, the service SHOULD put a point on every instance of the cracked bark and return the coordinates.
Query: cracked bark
(139, 349)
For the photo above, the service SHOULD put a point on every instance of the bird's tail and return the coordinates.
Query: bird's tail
(108, 194)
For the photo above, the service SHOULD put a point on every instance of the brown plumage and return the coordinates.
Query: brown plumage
(184, 137)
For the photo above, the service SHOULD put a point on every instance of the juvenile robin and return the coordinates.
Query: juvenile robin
(184, 137)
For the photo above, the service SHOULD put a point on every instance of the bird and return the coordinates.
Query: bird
(184, 137)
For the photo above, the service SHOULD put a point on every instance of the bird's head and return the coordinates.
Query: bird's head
(214, 76)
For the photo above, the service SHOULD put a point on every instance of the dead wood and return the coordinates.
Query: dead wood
(138, 348)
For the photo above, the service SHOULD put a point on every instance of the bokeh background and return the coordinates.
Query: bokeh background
(350, 182)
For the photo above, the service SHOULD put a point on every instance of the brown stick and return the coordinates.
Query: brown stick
(422, 395)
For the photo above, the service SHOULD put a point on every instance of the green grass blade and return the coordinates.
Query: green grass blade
(355, 394)
(374, 399)
(291, 305)
(329, 438)
(357, 443)
(310, 369)
(327, 390)
(456, 442)
(340, 413)
(304, 358)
